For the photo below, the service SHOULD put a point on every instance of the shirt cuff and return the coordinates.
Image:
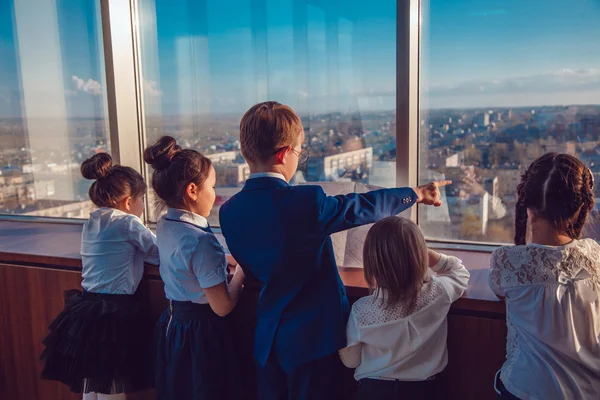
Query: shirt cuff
(441, 263)
(214, 278)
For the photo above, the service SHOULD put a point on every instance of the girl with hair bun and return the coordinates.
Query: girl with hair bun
(550, 280)
(193, 343)
(99, 344)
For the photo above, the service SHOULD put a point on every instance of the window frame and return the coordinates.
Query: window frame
(124, 95)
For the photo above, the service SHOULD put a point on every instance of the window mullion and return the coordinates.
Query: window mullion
(407, 95)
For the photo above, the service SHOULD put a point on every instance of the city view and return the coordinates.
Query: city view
(483, 151)
(499, 86)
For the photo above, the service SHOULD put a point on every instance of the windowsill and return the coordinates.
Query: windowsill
(51, 245)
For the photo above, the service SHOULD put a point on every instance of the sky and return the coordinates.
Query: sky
(221, 56)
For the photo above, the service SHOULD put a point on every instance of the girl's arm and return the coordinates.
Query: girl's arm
(351, 354)
(451, 272)
(495, 278)
(223, 298)
(209, 264)
(145, 240)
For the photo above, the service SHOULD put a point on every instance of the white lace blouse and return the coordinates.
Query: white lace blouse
(393, 343)
(553, 319)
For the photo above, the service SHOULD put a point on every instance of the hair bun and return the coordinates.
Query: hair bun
(160, 154)
(97, 167)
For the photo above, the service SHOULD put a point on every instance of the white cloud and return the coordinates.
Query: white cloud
(90, 86)
(151, 89)
(556, 81)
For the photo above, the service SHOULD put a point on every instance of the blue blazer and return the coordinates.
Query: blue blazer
(279, 234)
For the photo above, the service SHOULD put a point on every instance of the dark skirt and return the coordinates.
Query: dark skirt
(104, 339)
(195, 358)
(501, 390)
(378, 389)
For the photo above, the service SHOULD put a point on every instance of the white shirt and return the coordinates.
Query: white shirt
(114, 247)
(395, 343)
(267, 175)
(191, 258)
(553, 319)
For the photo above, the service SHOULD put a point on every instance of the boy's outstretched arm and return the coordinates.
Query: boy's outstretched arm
(338, 213)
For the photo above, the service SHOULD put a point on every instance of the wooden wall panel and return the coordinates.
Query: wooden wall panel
(476, 350)
(29, 299)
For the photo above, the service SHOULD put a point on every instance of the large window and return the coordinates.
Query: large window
(52, 105)
(503, 82)
(499, 84)
(204, 63)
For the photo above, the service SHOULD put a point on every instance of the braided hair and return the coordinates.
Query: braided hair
(558, 188)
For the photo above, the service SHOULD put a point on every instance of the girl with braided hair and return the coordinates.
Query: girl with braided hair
(550, 280)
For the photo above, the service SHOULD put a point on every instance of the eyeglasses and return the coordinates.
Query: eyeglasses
(303, 155)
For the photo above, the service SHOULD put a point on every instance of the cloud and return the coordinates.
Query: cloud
(90, 86)
(151, 89)
(562, 80)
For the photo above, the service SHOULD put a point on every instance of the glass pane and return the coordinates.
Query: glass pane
(206, 62)
(503, 82)
(52, 105)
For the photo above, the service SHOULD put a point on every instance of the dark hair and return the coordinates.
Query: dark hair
(395, 260)
(266, 127)
(174, 169)
(113, 182)
(558, 188)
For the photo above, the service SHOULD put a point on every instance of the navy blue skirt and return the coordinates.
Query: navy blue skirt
(195, 358)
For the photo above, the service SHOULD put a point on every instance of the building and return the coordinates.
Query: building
(508, 180)
(61, 209)
(223, 157)
(482, 119)
(491, 185)
(230, 174)
(445, 158)
(337, 166)
(383, 174)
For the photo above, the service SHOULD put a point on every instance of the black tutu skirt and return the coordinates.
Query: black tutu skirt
(99, 343)
(195, 359)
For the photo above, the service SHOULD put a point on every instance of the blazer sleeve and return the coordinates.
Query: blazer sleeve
(338, 213)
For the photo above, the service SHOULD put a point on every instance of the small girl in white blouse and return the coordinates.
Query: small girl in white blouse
(100, 343)
(397, 336)
(551, 282)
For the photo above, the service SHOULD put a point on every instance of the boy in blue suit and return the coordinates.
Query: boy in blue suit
(279, 234)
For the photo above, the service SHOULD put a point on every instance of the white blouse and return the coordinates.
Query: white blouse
(114, 247)
(553, 319)
(191, 257)
(395, 343)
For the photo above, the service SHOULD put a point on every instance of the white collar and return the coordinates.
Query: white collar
(175, 214)
(267, 175)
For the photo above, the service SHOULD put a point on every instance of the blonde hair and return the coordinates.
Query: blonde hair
(265, 128)
(395, 258)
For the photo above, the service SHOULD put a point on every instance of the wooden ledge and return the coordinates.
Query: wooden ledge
(58, 245)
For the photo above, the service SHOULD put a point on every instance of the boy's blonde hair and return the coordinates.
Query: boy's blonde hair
(267, 127)
(395, 258)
